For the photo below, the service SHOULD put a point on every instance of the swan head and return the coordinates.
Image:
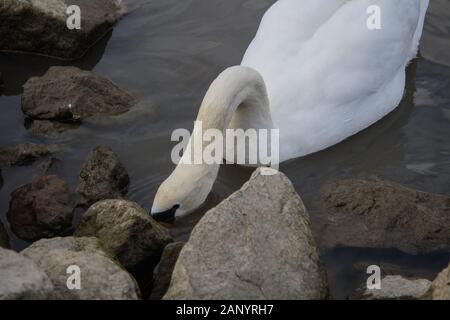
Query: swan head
(184, 191)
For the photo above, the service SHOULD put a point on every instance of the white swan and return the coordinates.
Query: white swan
(328, 76)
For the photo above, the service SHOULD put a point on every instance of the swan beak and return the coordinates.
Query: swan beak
(165, 217)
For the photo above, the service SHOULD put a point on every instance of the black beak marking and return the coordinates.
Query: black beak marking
(167, 216)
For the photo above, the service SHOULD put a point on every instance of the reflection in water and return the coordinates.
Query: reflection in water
(167, 52)
(18, 68)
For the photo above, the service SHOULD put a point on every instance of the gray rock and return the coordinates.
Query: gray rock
(40, 209)
(101, 277)
(25, 153)
(125, 229)
(378, 214)
(4, 241)
(40, 26)
(397, 288)
(21, 279)
(440, 288)
(103, 176)
(71, 95)
(164, 272)
(257, 244)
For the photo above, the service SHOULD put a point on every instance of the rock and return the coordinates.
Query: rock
(69, 94)
(257, 244)
(102, 176)
(396, 288)
(25, 154)
(21, 279)
(49, 129)
(125, 229)
(38, 26)
(40, 209)
(440, 288)
(165, 268)
(378, 214)
(4, 241)
(101, 278)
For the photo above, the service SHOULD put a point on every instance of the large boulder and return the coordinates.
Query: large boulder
(24, 154)
(165, 268)
(374, 213)
(101, 277)
(40, 26)
(69, 94)
(103, 176)
(40, 209)
(21, 279)
(125, 229)
(440, 288)
(257, 244)
(4, 241)
(396, 288)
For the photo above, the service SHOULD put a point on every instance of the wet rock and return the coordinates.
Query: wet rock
(257, 244)
(440, 288)
(21, 279)
(69, 94)
(396, 288)
(102, 176)
(37, 26)
(374, 213)
(101, 277)
(25, 154)
(49, 129)
(163, 275)
(4, 241)
(125, 229)
(40, 209)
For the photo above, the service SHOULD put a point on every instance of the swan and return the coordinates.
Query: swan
(315, 71)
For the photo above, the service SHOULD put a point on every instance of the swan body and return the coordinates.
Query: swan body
(315, 71)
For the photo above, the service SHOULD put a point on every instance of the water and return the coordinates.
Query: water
(167, 52)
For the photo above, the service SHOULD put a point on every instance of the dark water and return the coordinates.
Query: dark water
(167, 52)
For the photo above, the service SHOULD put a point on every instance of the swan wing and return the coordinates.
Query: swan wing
(342, 76)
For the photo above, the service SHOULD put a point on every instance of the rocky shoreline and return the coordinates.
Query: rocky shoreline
(259, 243)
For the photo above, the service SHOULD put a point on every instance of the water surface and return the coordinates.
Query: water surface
(167, 52)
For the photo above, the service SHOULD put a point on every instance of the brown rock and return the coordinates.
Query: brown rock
(25, 154)
(374, 213)
(103, 176)
(70, 94)
(37, 26)
(165, 268)
(40, 209)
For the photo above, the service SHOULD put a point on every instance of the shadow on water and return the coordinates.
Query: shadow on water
(18, 68)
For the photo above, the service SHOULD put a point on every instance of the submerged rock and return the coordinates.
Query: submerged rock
(163, 275)
(4, 241)
(101, 277)
(25, 154)
(69, 94)
(125, 229)
(440, 288)
(257, 244)
(396, 288)
(21, 279)
(103, 176)
(48, 128)
(40, 209)
(37, 26)
(378, 214)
